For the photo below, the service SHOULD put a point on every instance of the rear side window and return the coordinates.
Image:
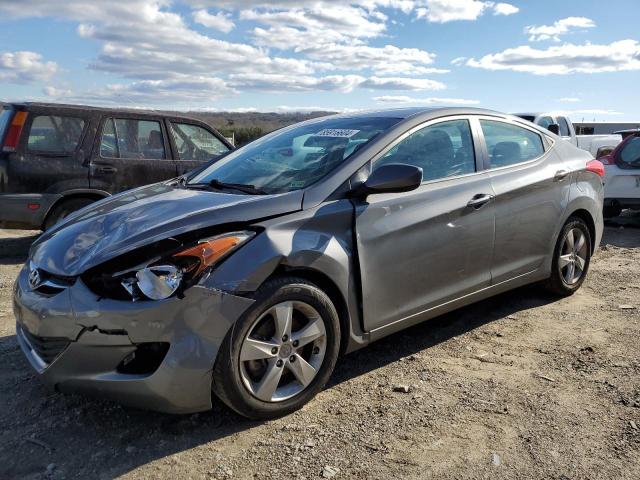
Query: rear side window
(441, 150)
(131, 138)
(630, 153)
(509, 144)
(55, 134)
(196, 143)
(564, 127)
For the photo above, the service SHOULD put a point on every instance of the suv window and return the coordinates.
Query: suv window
(5, 116)
(630, 153)
(196, 143)
(55, 133)
(544, 122)
(509, 144)
(130, 138)
(564, 127)
(441, 150)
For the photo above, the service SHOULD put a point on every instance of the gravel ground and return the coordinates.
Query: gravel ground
(519, 386)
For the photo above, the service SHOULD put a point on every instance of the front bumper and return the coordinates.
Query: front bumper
(75, 341)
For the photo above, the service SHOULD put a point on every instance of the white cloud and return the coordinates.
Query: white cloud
(443, 11)
(569, 99)
(384, 60)
(25, 67)
(564, 59)
(505, 9)
(405, 100)
(401, 83)
(597, 111)
(558, 28)
(220, 21)
(56, 92)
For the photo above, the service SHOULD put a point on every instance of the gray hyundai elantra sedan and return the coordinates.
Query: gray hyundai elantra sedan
(247, 279)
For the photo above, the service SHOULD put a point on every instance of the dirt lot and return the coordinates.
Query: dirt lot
(520, 386)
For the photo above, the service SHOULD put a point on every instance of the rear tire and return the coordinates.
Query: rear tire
(256, 350)
(571, 258)
(63, 209)
(611, 211)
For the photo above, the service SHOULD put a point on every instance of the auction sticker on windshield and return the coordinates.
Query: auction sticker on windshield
(336, 132)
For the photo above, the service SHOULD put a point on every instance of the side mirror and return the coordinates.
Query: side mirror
(554, 128)
(604, 151)
(395, 177)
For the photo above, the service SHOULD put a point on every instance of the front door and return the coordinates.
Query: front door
(423, 248)
(131, 152)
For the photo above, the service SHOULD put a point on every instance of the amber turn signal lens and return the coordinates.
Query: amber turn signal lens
(210, 251)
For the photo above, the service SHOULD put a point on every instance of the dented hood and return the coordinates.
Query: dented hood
(139, 217)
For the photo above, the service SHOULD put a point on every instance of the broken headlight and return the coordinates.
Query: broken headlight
(161, 278)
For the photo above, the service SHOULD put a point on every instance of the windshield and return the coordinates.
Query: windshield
(294, 158)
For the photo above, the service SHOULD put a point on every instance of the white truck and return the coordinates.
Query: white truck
(597, 145)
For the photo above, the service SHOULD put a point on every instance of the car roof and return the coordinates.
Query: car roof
(90, 108)
(408, 112)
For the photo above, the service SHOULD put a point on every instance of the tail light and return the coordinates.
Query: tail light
(13, 134)
(596, 166)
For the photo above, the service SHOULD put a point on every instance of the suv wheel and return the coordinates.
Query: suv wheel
(65, 208)
(281, 352)
(571, 258)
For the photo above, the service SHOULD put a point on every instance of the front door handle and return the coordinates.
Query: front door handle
(107, 169)
(479, 200)
(561, 175)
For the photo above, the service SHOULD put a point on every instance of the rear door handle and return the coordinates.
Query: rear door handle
(561, 175)
(107, 169)
(479, 200)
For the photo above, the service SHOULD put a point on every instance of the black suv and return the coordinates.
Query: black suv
(56, 159)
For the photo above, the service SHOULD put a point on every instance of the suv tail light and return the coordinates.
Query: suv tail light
(596, 166)
(13, 134)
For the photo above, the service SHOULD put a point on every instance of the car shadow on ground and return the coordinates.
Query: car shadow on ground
(14, 250)
(130, 438)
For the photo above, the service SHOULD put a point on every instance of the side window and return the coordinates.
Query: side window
(441, 150)
(196, 143)
(564, 127)
(630, 153)
(509, 144)
(130, 138)
(55, 134)
(544, 122)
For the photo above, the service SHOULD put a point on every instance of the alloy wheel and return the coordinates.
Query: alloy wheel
(283, 351)
(573, 256)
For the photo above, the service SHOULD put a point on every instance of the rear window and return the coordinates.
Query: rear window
(510, 144)
(55, 133)
(5, 117)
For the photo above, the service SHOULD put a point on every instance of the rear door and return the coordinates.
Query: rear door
(531, 186)
(129, 152)
(423, 248)
(194, 145)
(48, 157)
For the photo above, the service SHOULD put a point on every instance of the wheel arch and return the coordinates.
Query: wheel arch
(584, 215)
(94, 195)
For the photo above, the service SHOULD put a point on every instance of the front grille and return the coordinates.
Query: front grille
(47, 348)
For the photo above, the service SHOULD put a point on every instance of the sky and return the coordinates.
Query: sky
(578, 57)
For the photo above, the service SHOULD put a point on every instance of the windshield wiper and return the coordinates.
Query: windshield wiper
(219, 185)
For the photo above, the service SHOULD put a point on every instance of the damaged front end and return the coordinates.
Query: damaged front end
(143, 329)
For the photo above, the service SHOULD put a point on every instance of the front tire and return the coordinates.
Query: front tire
(281, 352)
(571, 258)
